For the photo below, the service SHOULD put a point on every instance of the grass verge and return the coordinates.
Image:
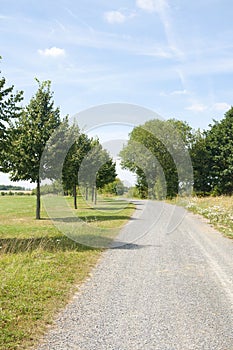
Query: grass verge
(41, 268)
(218, 210)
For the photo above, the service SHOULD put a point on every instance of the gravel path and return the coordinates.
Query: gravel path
(162, 292)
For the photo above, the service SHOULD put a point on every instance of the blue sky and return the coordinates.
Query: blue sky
(174, 57)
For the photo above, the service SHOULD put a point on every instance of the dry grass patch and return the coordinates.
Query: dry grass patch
(219, 211)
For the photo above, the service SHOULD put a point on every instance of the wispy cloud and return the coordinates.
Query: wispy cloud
(221, 106)
(118, 16)
(114, 17)
(175, 93)
(196, 107)
(218, 106)
(151, 5)
(163, 9)
(89, 37)
(2, 17)
(180, 92)
(52, 52)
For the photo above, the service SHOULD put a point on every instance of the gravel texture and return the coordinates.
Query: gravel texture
(164, 291)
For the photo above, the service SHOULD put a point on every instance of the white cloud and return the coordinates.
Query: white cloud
(180, 92)
(52, 52)
(221, 106)
(115, 17)
(174, 93)
(5, 17)
(196, 107)
(151, 5)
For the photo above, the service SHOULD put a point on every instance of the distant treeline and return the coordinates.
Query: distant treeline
(11, 188)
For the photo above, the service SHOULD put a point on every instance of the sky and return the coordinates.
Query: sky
(173, 57)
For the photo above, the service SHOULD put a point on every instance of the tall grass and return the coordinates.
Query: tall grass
(218, 210)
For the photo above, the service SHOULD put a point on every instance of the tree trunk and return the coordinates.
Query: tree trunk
(38, 199)
(93, 193)
(86, 193)
(75, 197)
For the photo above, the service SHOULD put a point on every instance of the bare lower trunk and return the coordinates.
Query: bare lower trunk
(75, 197)
(86, 193)
(95, 195)
(38, 199)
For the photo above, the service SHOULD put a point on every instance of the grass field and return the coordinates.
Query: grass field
(40, 267)
(219, 211)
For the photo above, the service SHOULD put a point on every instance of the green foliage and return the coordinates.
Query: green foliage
(133, 192)
(55, 187)
(10, 187)
(153, 152)
(57, 147)
(29, 136)
(87, 164)
(97, 168)
(201, 164)
(106, 173)
(10, 110)
(73, 160)
(220, 149)
(115, 188)
(160, 189)
(212, 158)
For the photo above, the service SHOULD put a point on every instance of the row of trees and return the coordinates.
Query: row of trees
(167, 156)
(25, 132)
(157, 153)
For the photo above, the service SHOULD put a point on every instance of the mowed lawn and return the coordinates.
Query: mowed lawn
(40, 267)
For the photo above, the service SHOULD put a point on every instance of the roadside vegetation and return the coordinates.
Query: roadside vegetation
(41, 268)
(218, 210)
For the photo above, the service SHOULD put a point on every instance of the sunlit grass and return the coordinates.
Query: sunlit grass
(107, 213)
(40, 267)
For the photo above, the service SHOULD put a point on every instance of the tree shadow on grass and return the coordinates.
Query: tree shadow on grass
(106, 208)
(93, 218)
(48, 244)
(62, 243)
(99, 218)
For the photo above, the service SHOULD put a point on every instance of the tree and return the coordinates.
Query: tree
(115, 188)
(29, 136)
(158, 152)
(219, 145)
(201, 161)
(72, 163)
(9, 111)
(77, 160)
(97, 168)
(106, 174)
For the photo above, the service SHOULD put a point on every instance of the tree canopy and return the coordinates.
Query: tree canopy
(10, 109)
(157, 152)
(29, 135)
(168, 157)
(219, 150)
